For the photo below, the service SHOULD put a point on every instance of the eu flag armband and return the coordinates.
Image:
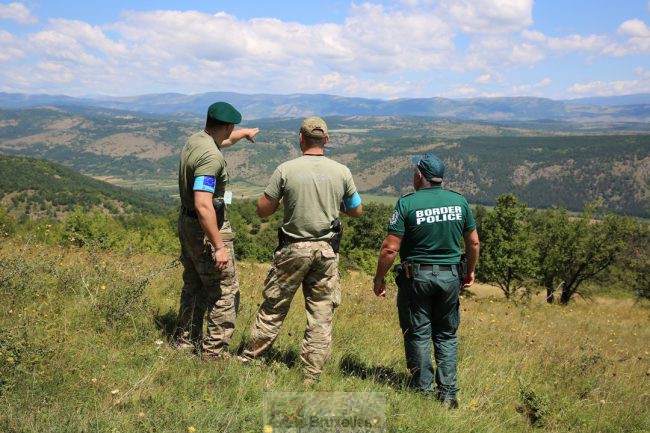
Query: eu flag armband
(204, 183)
(352, 202)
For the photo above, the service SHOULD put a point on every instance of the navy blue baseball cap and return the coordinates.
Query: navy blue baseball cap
(431, 167)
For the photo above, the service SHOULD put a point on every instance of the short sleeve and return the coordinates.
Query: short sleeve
(350, 188)
(209, 164)
(470, 224)
(396, 223)
(274, 189)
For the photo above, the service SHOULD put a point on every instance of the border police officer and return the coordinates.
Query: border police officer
(426, 228)
(313, 188)
(210, 275)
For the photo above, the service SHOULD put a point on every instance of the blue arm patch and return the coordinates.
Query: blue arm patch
(204, 183)
(352, 202)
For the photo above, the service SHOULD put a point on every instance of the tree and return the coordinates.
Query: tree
(555, 239)
(576, 250)
(508, 256)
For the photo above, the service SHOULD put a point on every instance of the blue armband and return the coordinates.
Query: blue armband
(204, 183)
(352, 202)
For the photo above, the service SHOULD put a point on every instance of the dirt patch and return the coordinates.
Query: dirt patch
(49, 139)
(125, 144)
(427, 147)
(381, 170)
(64, 124)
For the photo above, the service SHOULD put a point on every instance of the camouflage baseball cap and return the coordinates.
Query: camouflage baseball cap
(224, 112)
(314, 127)
(431, 167)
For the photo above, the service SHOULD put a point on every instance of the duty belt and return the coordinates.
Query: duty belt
(440, 267)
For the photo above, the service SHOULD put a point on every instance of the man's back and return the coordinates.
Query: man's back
(432, 222)
(312, 188)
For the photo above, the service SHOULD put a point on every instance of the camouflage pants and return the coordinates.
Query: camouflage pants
(206, 289)
(315, 266)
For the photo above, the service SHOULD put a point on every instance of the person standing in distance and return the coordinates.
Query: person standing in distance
(426, 228)
(207, 253)
(313, 189)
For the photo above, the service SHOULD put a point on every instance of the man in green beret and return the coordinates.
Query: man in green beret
(313, 189)
(210, 274)
(427, 228)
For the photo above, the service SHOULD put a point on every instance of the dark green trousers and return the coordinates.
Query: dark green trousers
(428, 308)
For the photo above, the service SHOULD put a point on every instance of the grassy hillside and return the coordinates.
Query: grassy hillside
(42, 188)
(544, 163)
(83, 347)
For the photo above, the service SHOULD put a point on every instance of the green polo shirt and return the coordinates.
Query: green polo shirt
(201, 157)
(312, 188)
(432, 222)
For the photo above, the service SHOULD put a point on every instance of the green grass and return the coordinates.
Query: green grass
(83, 340)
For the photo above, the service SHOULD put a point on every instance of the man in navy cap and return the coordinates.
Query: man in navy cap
(427, 228)
(210, 274)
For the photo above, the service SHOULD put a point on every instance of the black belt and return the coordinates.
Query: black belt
(440, 267)
(188, 212)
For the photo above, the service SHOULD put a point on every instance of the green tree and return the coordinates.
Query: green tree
(593, 247)
(556, 240)
(508, 256)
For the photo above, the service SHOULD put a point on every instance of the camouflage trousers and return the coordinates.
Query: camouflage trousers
(315, 266)
(206, 290)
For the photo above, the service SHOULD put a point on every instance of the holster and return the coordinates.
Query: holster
(335, 241)
(462, 267)
(407, 269)
(220, 209)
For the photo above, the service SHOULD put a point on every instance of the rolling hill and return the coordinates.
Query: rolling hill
(41, 188)
(545, 163)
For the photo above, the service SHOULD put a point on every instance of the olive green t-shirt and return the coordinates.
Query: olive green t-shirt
(313, 188)
(432, 222)
(201, 157)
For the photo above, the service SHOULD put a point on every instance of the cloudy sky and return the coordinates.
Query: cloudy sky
(380, 49)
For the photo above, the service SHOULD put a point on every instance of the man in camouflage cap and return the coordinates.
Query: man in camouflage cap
(210, 274)
(313, 189)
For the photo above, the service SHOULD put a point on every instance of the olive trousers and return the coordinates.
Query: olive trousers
(428, 307)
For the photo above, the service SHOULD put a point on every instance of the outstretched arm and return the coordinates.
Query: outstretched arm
(247, 133)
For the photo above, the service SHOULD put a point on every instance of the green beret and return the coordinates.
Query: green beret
(224, 112)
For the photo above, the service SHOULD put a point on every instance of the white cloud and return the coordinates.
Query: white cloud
(489, 16)
(530, 89)
(613, 88)
(11, 47)
(17, 12)
(494, 53)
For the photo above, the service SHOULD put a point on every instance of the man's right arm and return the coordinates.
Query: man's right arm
(472, 247)
(208, 220)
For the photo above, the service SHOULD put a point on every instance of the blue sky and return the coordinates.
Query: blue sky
(378, 49)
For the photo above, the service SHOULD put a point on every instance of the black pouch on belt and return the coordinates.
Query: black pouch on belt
(220, 209)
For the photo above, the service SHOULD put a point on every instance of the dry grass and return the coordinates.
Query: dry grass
(581, 368)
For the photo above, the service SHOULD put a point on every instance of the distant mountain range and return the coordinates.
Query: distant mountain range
(627, 108)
